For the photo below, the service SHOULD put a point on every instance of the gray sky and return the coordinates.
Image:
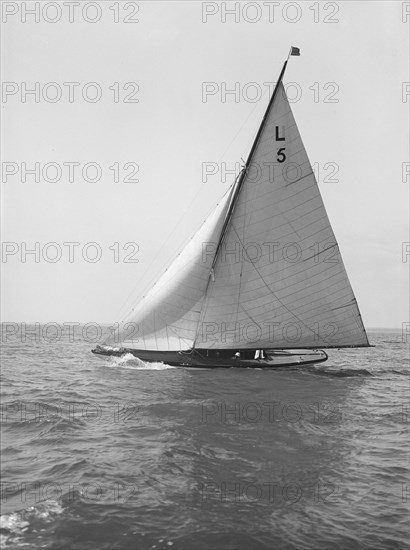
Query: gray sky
(348, 102)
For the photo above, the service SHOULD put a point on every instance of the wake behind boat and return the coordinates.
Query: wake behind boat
(262, 282)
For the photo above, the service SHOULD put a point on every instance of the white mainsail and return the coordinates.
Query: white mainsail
(270, 277)
(279, 280)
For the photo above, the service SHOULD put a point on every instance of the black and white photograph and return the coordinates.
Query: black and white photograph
(205, 253)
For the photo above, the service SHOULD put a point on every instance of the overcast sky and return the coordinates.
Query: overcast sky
(348, 96)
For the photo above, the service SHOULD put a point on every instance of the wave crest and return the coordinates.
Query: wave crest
(129, 361)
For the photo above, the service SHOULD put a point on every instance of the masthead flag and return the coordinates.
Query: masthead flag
(295, 51)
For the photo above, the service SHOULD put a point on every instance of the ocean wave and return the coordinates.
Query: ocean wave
(341, 373)
(129, 361)
(13, 526)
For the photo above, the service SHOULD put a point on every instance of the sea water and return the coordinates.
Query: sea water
(115, 453)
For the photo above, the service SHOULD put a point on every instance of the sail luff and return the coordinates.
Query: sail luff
(242, 175)
(272, 99)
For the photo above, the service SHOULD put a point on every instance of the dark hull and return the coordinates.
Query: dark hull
(223, 359)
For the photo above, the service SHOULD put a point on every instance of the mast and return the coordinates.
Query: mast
(241, 178)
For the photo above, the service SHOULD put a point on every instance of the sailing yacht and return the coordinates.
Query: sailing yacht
(262, 282)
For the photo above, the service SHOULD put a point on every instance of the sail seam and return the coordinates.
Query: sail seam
(302, 178)
(321, 252)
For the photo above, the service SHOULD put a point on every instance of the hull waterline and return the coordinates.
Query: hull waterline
(225, 359)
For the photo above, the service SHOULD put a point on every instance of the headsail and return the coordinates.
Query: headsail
(168, 316)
